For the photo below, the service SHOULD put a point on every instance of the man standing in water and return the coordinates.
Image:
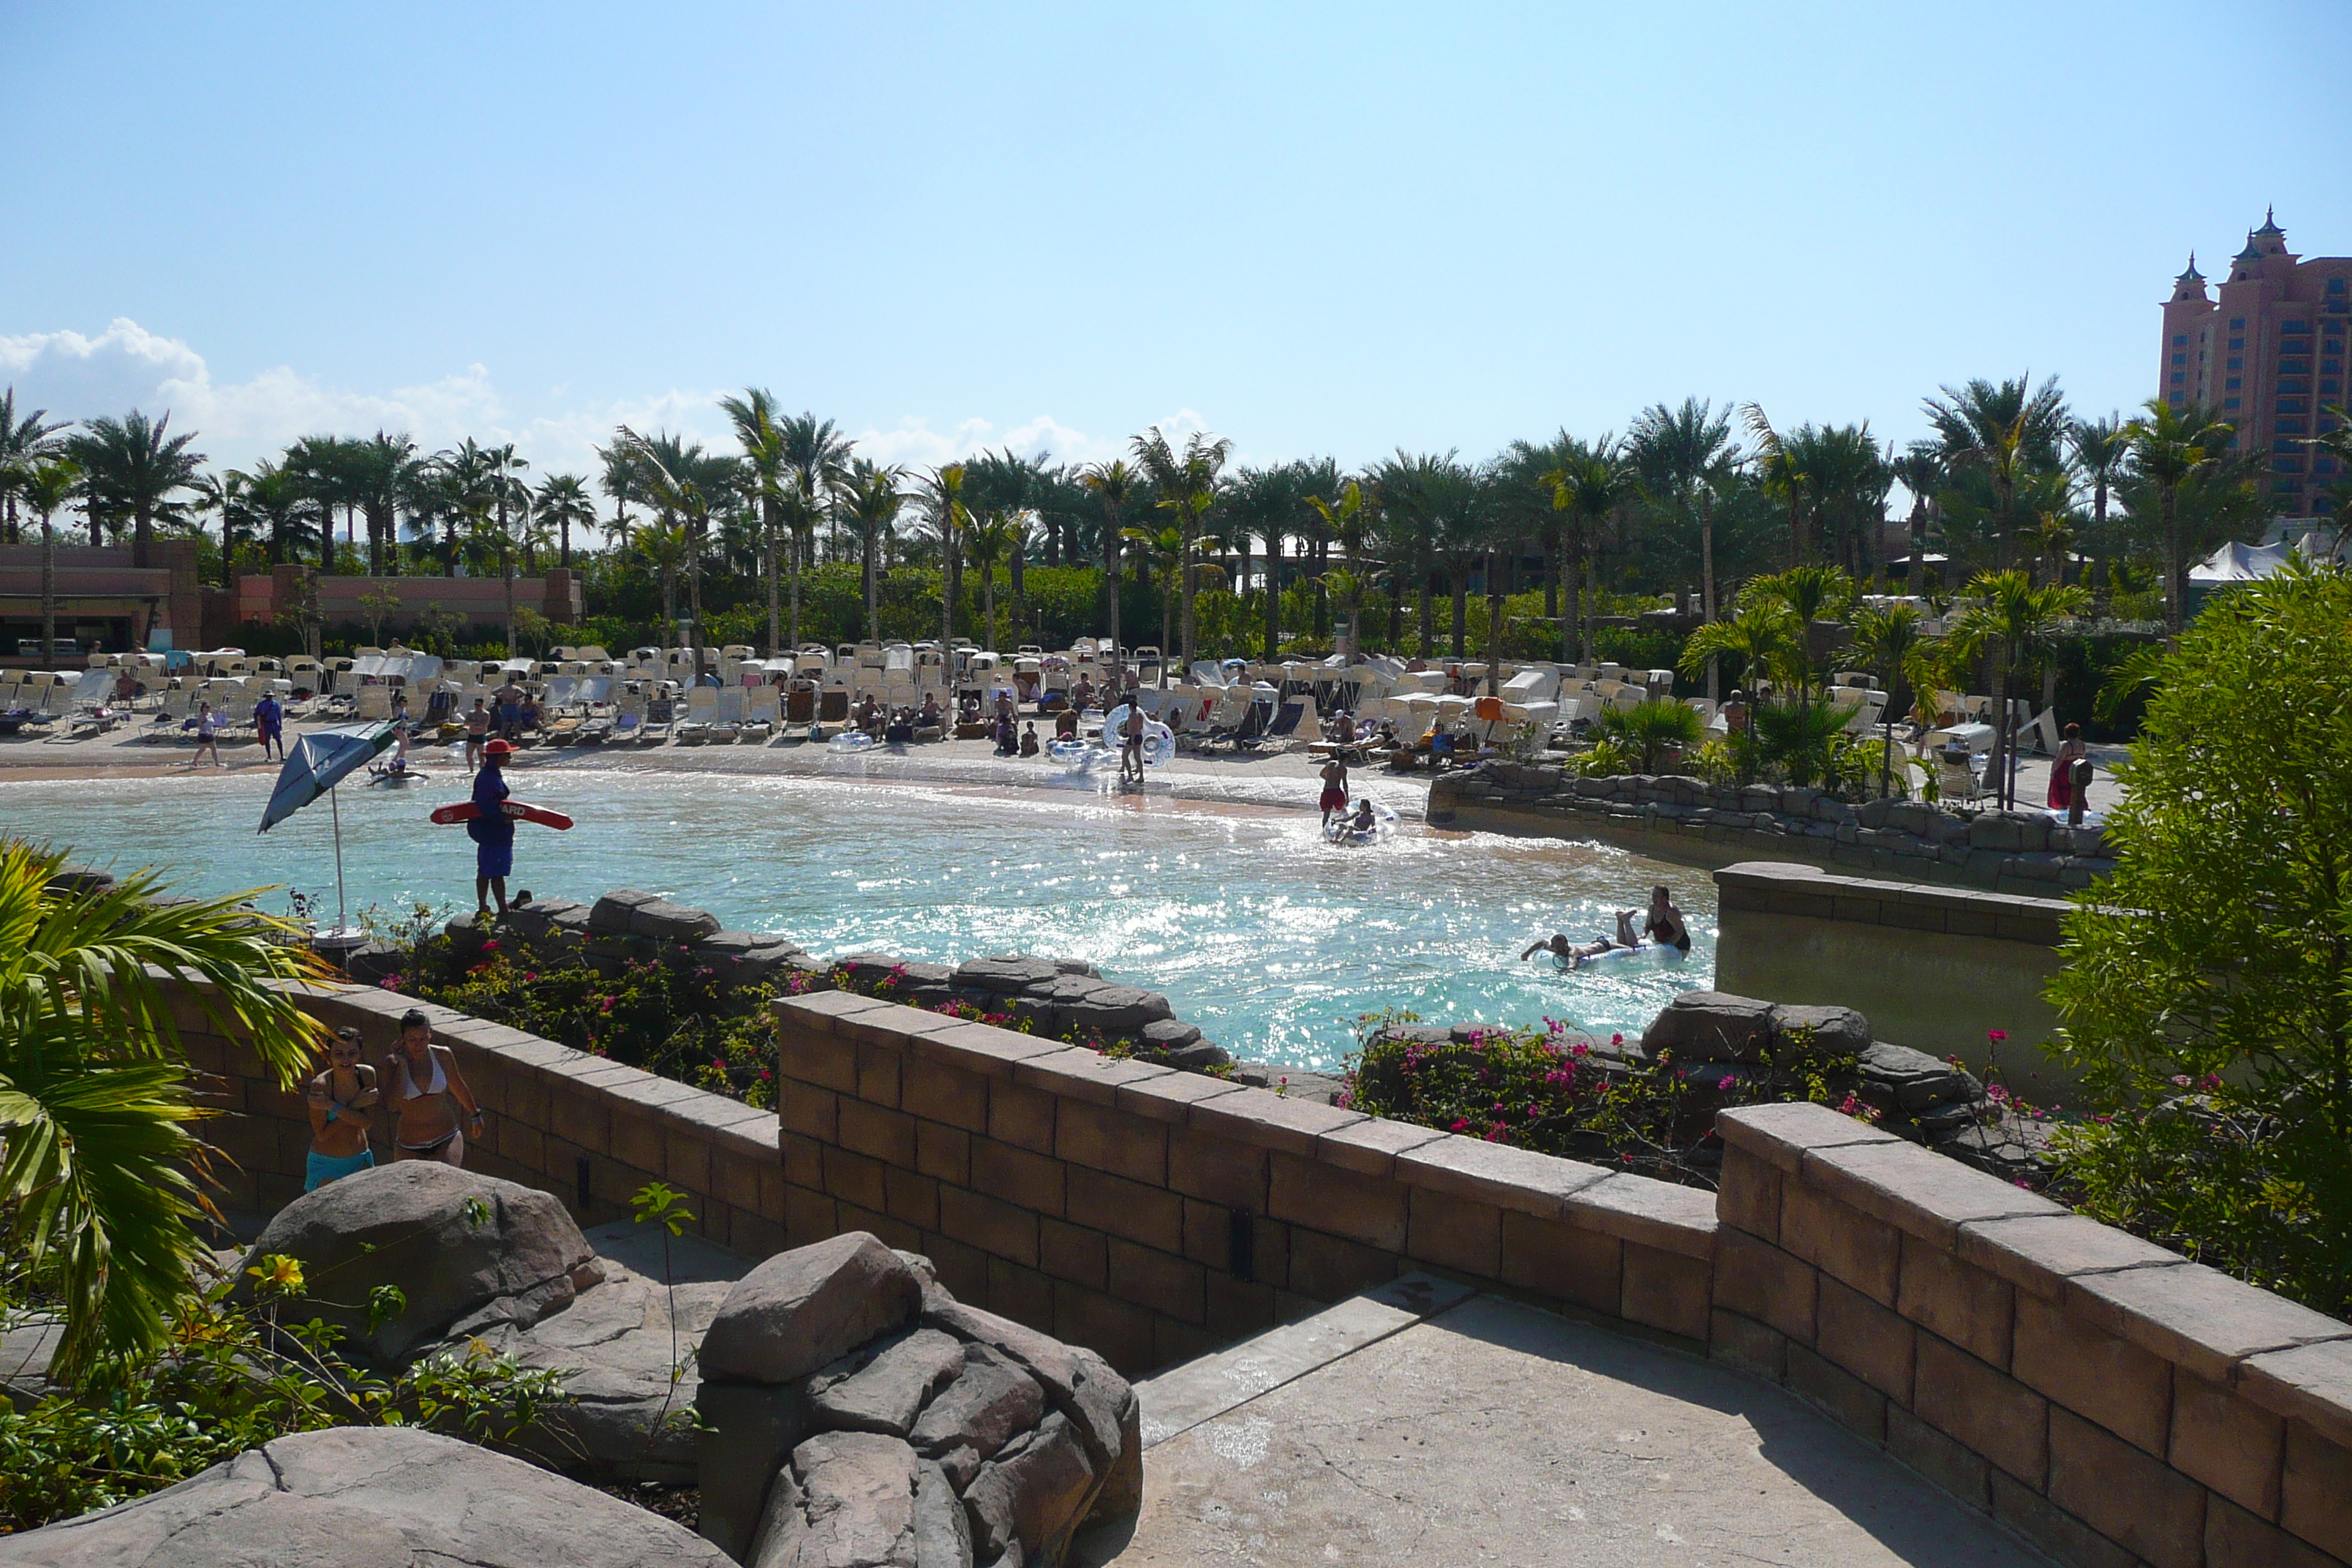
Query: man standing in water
(269, 726)
(492, 830)
(1334, 788)
(1130, 750)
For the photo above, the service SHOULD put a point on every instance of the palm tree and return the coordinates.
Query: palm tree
(767, 472)
(942, 495)
(133, 465)
(2171, 445)
(1585, 490)
(25, 441)
(1347, 521)
(268, 501)
(986, 542)
(818, 455)
(509, 495)
(1893, 642)
(1682, 457)
(678, 482)
(2019, 622)
(2338, 444)
(1920, 471)
(663, 545)
(1112, 484)
(563, 500)
(1651, 725)
(1165, 547)
(872, 496)
(379, 475)
(45, 488)
(100, 1177)
(620, 482)
(1782, 474)
(1816, 591)
(1187, 488)
(2100, 447)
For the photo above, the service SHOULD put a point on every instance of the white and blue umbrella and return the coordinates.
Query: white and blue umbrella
(319, 760)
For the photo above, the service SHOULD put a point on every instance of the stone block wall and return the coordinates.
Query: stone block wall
(1155, 1215)
(589, 1130)
(2107, 1399)
(1691, 820)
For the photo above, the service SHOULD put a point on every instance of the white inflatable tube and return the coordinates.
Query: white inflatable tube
(1343, 829)
(1663, 951)
(1159, 739)
(853, 741)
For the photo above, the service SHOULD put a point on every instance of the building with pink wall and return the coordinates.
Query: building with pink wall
(2268, 356)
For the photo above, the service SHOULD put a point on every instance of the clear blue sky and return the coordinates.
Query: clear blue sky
(1317, 229)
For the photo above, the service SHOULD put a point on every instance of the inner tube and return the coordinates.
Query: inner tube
(1159, 739)
(1078, 755)
(1667, 951)
(1343, 829)
(853, 741)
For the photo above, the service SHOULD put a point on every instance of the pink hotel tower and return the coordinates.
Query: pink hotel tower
(2268, 357)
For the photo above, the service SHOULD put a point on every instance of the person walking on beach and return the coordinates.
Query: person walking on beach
(342, 1101)
(207, 736)
(426, 1091)
(477, 733)
(1130, 747)
(1335, 789)
(491, 829)
(270, 725)
(2061, 793)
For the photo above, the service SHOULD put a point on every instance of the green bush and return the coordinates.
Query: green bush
(2206, 1000)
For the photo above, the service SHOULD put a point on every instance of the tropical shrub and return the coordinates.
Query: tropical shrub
(1546, 1090)
(1651, 727)
(2206, 1000)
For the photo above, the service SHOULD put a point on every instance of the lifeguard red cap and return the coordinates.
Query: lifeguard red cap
(498, 748)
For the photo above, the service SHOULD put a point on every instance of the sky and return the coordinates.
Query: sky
(1336, 230)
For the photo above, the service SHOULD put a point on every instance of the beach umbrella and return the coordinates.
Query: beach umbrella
(319, 761)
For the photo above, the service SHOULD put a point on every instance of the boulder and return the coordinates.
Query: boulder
(1830, 1031)
(1077, 967)
(631, 1417)
(802, 1310)
(1710, 1027)
(1115, 1009)
(1006, 973)
(747, 1432)
(540, 918)
(468, 1252)
(1904, 1079)
(850, 1504)
(367, 1497)
(943, 1528)
(1030, 1499)
(880, 1386)
(372, 962)
(1169, 1034)
(672, 924)
(1079, 1382)
(989, 1402)
(610, 914)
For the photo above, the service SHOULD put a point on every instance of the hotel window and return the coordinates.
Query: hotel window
(2237, 363)
(2288, 427)
(2179, 376)
(2289, 447)
(2180, 340)
(2331, 367)
(2294, 326)
(2180, 359)
(2233, 383)
(2335, 286)
(2237, 323)
(2289, 405)
(2295, 383)
(2286, 465)
(2176, 395)
(2227, 403)
(2328, 388)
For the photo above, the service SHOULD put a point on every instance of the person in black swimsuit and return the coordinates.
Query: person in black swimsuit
(1665, 923)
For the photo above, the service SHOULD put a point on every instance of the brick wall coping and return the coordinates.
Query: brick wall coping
(1796, 887)
(1632, 1208)
(2288, 1358)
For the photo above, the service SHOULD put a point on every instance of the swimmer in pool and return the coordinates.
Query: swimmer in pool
(1665, 923)
(1561, 947)
(1364, 822)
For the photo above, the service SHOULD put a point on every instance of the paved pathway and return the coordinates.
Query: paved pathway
(1445, 1428)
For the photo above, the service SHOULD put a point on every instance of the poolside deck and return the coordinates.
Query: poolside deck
(1424, 1425)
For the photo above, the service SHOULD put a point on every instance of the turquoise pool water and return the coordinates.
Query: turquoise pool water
(1271, 939)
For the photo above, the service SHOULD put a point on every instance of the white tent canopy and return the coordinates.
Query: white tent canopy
(2239, 563)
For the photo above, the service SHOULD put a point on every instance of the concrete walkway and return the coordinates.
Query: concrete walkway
(1420, 1425)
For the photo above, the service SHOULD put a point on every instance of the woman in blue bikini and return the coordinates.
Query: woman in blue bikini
(342, 1105)
(425, 1081)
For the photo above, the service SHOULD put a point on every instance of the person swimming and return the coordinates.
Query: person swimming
(1572, 955)
(1664, 923)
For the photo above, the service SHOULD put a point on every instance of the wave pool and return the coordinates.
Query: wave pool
(1273, 941)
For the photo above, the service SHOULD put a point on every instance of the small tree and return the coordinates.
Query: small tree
(375, 607)
(2207, 995)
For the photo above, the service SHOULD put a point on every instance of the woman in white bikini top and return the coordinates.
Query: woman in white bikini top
(427, 1125)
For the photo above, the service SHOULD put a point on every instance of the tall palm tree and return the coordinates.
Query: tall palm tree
(135, 464)
(1781, 472)
(1893, 643)
(1680, 456)
(1585, 490)
(2019, 622)
(768, 472)
(986, 543)
(44, 486)
(510, 498)
(2099, 448)
(1113, 484)
(676, 477)
(619, 481)
(2171, 445)
(564, 501)
(1345, 520)
(1920, 471)
(942, 493)
(872, 496)
(99, 1175)
(1167, 548)
(819, 455)
(222, 494)
(269, 501)
(379, 475)
(1187, 487)
(25, 440)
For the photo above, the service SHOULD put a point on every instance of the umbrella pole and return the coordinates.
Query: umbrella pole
(334, 805)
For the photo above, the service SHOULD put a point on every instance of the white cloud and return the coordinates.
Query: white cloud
(126, 367)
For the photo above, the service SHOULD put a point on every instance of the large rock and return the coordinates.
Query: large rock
(1114, 1009)
(1711, 1026)
(1030, 1498)
(1006, 973)
(747, 1432)
(943, 1528)
(1825, 1031)
(989, 1401)
(367, 1497)
(672, 924)
(801, 1310)
(628, 1345)
(611, 914)
(881, 1387)
(1901, 1079)
(468, 1252)
(850, 1504)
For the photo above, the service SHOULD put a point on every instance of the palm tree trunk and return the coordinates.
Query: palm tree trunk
(768, 515)
(1273, 597)
(1187, 578)
(49, 588)
(1706, 585)
(870, 543)
(2173, 609)
(947, 599)
(1167, 607)
(1110, 574)
(1461, 582)
(1428, 617)
(1494, 629)
(988, 600)
(143, 535)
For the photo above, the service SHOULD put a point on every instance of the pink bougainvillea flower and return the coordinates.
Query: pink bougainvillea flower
(1727, 1081)
(1460, 1124)
(2181, 1079)
(1996, 1036)
(491, 945)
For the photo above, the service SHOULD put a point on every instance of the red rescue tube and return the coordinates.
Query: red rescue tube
(521, 810)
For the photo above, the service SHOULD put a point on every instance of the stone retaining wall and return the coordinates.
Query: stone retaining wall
(1156, 1215)
(1691, 820)
(2105, 1398)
